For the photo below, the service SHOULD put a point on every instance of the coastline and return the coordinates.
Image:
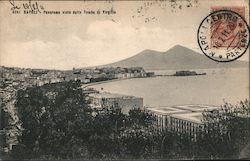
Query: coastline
(114, 80)
(107, 81)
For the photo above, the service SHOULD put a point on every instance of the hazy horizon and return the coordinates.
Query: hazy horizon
(160, 52)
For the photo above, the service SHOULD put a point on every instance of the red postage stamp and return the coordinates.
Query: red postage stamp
(224, 34)
(225, 31)
(238, 9)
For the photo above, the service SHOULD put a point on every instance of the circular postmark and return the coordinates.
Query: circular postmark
(223, 36)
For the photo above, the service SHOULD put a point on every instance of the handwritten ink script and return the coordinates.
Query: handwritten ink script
(27, 7)
(33, 7)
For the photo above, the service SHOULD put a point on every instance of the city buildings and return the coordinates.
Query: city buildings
(12, 79)
(162, 115)
(187, 123)
(106, 101)
(183, 119)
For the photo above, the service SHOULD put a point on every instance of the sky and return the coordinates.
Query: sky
(66, 41)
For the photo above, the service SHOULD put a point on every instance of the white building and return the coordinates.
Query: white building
(183, 119)
(108, 101)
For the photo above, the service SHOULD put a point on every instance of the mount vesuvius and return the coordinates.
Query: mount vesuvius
(178, 57)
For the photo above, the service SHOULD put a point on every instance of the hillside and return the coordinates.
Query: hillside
(178, 57)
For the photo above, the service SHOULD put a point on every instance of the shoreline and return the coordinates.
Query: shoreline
(107, 81)
(114, 80)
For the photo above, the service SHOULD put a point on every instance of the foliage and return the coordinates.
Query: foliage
(58, 123)
(227, 130)
(55, 120)
(140, 117)
(106, 128)
(137, 141)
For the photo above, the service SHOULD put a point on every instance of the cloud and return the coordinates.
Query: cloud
(105, 42)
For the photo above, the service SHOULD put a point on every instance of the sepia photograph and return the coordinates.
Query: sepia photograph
(124, 80)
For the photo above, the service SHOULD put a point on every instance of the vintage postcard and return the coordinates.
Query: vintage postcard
(123, 80)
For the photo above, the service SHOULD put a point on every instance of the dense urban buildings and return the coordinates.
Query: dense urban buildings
(12, 79)
(180, 121)
(9, 75)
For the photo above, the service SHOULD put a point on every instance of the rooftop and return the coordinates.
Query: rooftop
(192, 113)
(191, 116)
(196, 108)
(165, 110)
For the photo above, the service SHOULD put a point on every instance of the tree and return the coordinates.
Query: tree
(137, 141)
(106, 128)
(140, 117)
(139, 136)
(227, 130)
(55, 118)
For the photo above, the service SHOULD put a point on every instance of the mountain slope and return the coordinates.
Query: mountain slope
(178, 57)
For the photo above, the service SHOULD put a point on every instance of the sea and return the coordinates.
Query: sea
(215, 88)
